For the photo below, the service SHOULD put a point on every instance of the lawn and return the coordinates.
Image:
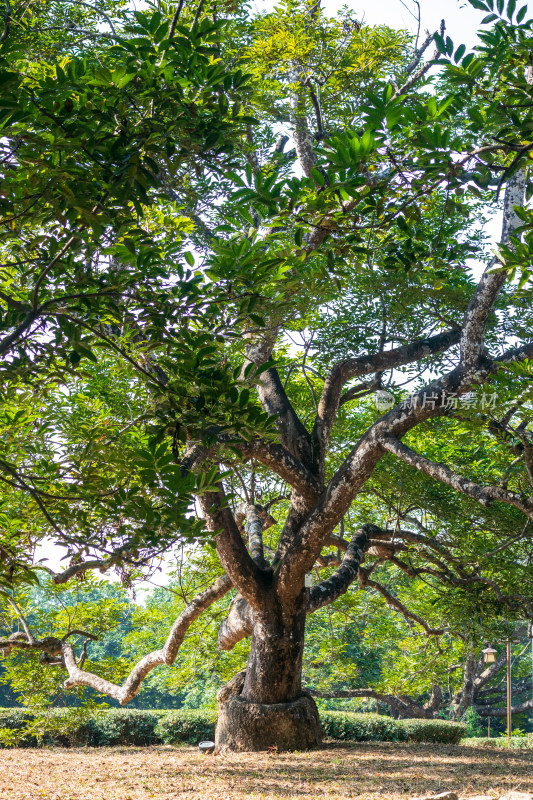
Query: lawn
(364, 771)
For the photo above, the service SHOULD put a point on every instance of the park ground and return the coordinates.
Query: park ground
(337, 772)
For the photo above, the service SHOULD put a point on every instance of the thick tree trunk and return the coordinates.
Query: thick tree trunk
(274, 671)
(265, 706)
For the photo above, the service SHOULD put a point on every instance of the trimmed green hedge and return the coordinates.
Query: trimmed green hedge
(352, 727)
(117, 726)
(79, 727)
(114, 727)
(349, 726)
(434, 730)
(190, 726)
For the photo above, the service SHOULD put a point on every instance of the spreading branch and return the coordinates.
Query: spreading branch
(251, 581)
(327, 591)
(404, 706)
(416, 72)
(359, 366)
(485, 495)
(492, 280)
(166, 655)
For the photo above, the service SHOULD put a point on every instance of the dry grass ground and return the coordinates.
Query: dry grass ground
(362, 771)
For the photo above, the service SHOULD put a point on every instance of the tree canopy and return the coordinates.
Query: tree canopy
(249, 304)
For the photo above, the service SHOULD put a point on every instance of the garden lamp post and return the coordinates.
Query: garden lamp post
(489, 657)
(508, 643)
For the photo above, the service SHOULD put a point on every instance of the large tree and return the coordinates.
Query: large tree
(331, 197)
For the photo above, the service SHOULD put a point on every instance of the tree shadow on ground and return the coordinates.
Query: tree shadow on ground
(362, 771)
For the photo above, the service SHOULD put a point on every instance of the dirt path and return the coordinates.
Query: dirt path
(363, 771)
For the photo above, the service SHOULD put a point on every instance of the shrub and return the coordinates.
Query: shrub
(105, 727)
(15, 724)
(518, 742)
(434, 730)
(63, 727)
(350, 726)
(121, 726)
(189, 726)
(70, 727)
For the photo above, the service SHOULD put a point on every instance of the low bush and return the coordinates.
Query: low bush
(108, 727)
(189, 726)
(433, 730)
(116, 726)
(15, 726)
(349, 726)
(69, 727)
(517, 742)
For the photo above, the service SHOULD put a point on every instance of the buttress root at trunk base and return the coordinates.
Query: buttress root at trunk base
(244, 726)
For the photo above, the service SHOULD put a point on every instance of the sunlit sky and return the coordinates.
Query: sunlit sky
(462, 20)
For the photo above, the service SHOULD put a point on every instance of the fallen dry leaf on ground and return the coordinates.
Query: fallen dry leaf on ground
(363, 771)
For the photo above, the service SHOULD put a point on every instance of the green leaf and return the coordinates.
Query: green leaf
(439, 41)
(103, 77)
(85, 351)
(521, 14)
(249, 174)
(459, 53)
(317, 176)
(189, 258)
(123, 80)
(9, 79)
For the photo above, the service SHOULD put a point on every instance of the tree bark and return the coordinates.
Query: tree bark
(265, 707)
(245, 726)
(274, 672)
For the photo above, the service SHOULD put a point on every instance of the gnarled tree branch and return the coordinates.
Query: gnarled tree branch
(358, 366)
(166, 655)
(485, 495)
(251, 581)
(329, 590)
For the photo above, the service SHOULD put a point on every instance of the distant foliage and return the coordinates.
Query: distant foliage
(473, 723)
